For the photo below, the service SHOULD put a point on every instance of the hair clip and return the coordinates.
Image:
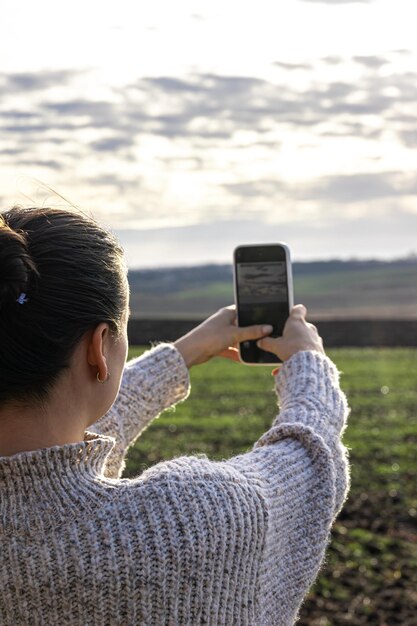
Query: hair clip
(22, 299)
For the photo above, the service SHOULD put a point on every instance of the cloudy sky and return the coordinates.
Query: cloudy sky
(189, 127)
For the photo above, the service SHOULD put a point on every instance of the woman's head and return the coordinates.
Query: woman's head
(61, 275)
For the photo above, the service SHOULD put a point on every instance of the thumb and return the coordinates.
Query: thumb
(252, 332)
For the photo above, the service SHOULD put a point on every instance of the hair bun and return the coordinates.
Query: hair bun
(16, 264)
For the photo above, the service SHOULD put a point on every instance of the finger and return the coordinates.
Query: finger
(313, 328)
(251, 332)
(230, 353)
(299, 311)
(269, 344)
(231, 313)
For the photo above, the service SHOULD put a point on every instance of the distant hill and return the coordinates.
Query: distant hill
(330, 290)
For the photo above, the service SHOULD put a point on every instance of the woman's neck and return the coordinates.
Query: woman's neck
(24, 428)
(19, 434)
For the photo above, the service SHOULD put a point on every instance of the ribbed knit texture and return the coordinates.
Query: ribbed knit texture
(188, 542)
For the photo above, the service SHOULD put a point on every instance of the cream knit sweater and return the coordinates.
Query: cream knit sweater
(188, 542)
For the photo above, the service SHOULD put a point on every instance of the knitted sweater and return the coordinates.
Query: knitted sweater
(188, 542)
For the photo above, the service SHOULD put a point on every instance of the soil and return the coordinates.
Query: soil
(377, 585)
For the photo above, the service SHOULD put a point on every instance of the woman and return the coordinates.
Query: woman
(190, 541)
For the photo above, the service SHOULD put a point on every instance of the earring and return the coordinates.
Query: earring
(103, 381)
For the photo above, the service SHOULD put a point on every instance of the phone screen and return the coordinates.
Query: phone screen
(262, 294)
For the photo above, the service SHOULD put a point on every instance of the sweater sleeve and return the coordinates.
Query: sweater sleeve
(302, 469)
(313, 406)
(150, 384)
(256, 526)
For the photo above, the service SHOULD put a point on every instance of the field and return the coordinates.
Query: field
(370, 575)
(330, 290)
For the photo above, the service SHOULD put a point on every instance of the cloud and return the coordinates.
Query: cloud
(259, 188)
(26, 128)
(212, 108)
(215, 116)
(332, 60)
(94, 114)
(204, 106)
(409, 137)
(172, 126)
(111, 144)
(112, 180)
(374, 62)
(293, 66)
(10, 151)
(332, 190)
(18, 115)
(52, 164)
(169, 84)
(217, 106)
(354, 129)
(36, 81)
(352, 188)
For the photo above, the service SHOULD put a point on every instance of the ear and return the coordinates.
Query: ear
(97, 348)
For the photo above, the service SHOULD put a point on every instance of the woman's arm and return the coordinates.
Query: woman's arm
(249, 533)
(150, 384)
(253, 529)
(160, 378)
(302, 468)
(314, 408)
(299, 467)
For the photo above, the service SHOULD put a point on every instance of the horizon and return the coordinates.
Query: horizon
(411, 258)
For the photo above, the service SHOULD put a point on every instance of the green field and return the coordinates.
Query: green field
(370, 575)
(330, 290)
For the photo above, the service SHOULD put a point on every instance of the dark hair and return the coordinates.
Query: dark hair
(61, 274)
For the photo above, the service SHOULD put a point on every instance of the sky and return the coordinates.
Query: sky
(193, 126)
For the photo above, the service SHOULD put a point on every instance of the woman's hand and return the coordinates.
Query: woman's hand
(298, 335)
(217, 336)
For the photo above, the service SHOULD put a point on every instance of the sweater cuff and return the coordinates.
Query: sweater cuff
(308, 389)
(166, 372)
(309, 374)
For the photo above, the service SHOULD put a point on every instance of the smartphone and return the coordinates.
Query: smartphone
(263, 294)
